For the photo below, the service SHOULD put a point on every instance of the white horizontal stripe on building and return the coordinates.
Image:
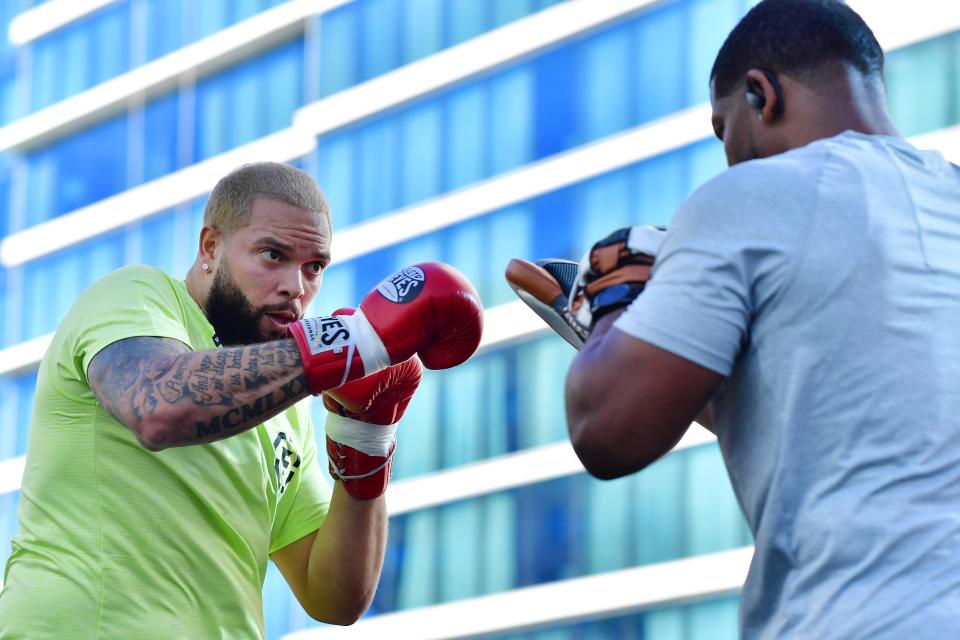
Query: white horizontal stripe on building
(616, 593)
(45, 18)
(11, 474)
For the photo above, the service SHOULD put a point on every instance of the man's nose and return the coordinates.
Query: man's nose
(292, 284)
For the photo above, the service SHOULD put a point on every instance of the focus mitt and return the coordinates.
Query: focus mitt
(571, 297)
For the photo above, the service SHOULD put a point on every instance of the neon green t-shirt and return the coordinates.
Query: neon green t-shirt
(116, 541)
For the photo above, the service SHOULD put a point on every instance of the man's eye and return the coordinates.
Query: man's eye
(316, 267)
(271, 254)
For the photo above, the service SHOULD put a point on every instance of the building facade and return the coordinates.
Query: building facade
(468, 131)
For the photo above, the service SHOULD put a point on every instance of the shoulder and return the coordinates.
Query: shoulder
(773, 195)
(133, 287)
(134, 275)
(778, 181)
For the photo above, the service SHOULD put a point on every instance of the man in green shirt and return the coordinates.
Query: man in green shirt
(168, 458)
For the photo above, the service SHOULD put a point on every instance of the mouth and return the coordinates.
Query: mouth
(281, 320)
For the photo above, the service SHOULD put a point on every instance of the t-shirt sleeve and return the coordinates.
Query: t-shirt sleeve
(731, 249)
(130, 302)
(306, 498)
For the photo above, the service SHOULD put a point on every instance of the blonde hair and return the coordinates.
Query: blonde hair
(229, 205)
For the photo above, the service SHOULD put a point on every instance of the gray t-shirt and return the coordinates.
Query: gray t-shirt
(825, 284)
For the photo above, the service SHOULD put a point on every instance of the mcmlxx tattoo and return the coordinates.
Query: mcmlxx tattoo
(214, 393)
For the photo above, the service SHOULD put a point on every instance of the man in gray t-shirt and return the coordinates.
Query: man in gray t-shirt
(811, 293)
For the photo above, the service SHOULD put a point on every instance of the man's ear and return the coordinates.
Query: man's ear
(211, 245)
(763, 94)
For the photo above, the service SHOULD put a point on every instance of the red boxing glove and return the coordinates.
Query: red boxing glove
(361, 427)
(429, 308)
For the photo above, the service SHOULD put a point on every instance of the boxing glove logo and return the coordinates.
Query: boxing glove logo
(327, 333)
(403, 286)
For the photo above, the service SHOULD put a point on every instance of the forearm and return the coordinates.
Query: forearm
(198, 397)
(587, 386)
(346, 557)
(583, 404)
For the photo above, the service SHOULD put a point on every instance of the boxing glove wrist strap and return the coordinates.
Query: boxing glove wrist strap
(330, 344)
(371, 439)
(372, 352)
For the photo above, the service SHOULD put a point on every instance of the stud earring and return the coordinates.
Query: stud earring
(760, 117)
(206, 267)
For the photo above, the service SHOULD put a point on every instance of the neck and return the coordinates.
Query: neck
(196, 288)
(849, 103)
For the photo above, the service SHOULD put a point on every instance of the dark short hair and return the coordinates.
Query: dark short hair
(795, 37)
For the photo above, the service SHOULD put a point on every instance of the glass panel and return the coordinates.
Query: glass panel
(606, 87)
(929, 65)
(212, 104)
(468, 18)
(709, 620)
(212, 15)
(76, 61)
(465, 136)
(554, 530)
(420, 148)
(44, 84)
(422, 28)
(381, 41)
(110, 42)
(710, 22)
(511, 121)
(77, 171)
(282, 86)
(339, 67)
(378, 144)
(658, 85)
(158, 241)
(165, 32)
(336, 162)
(8, 419)
(506, 11)
(9, 503)
(160, 119)
(247, 115)
(26, 387)
(52, 283)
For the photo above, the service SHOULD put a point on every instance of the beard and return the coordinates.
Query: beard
(233, 317)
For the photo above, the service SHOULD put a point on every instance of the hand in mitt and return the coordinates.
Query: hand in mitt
(571, 297)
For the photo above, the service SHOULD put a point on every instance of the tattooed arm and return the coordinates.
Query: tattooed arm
(169, 396)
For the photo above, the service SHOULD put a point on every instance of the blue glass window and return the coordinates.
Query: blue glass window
(560, 529)
(933, 65)
(160, 126)
(52, 283)
(165, 19)
(16, 407)
(248, 101)
(367, 38)
(76, 171)
(81, 54)
(707, 620)
(9, 502)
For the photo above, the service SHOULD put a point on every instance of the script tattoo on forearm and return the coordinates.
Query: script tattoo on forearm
(220, 391)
